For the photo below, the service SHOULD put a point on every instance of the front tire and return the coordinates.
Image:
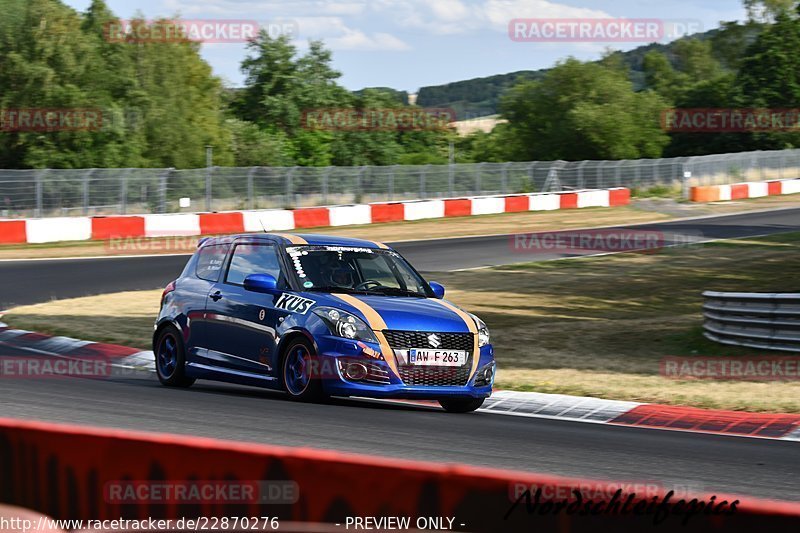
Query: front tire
(171, 359)
(461, 405)
(300, 373)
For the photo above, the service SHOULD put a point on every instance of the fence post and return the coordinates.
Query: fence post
(209, 188)
(162, 190)
(450, 179)
(251, 195)
(391, 182)
(86, 191)
(359, 183)
(598, 178)
(289, 186)
(504, 178)
(478, 185)
(687, 174)
(581, 182)
(39, 194)
(531, 178)
(552, 179)
(123, 191)
(325, 184)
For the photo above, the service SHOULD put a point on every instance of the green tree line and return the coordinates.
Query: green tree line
(161, 104)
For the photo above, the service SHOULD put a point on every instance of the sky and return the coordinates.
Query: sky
(408, 44)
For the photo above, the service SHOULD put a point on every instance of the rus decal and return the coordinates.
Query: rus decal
(294, 304)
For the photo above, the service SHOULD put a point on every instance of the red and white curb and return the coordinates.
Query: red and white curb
(44, 230)
(744, 190)
(655, 416)
(510, 403)
(120, 357)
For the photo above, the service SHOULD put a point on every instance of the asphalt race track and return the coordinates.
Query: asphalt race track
(41, 280)
(703, 463)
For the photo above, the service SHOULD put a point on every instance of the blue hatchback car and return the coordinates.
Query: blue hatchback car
(319, 316)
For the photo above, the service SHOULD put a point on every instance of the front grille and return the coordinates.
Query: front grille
(433, 376)
(436, 376)
(404, 340)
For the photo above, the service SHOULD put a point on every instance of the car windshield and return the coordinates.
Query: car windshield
(356, 270)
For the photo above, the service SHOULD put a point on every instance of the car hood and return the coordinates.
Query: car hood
(401, 313)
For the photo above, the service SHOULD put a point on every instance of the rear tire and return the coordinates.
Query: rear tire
(171, 359)
(300, 373)
(461, 405)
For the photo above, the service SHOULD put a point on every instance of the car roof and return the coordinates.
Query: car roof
(297, 239)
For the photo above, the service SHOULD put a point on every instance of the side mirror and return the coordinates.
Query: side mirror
(438, 289)
(264, 283)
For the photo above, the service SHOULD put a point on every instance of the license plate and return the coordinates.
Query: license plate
(437, 357)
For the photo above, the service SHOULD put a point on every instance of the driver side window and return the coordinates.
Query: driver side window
(254, 259)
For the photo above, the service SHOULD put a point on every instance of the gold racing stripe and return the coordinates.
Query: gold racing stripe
(378, 325)
(379, 245)
(294, 239)
(473, 327)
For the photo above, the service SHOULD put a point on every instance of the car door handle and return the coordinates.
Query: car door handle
(216, 296)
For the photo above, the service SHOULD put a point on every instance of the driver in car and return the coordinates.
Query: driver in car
(342, 275)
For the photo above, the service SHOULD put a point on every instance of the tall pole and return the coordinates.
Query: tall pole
(451, 174)
(209, 164)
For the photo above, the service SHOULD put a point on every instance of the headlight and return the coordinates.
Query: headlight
(344, 324)
(483, 332)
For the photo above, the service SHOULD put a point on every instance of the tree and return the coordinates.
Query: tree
(770, 77)
(767, 10)
(584, 111)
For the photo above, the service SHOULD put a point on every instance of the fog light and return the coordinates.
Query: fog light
(485, 375)
(355, 371)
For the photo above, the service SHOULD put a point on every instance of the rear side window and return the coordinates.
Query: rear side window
(253, 259)
(210, 260)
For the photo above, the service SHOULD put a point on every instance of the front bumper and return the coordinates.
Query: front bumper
(333, 350)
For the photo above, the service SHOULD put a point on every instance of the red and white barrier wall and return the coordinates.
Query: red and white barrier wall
(45, 230)
(72, 472)
(740, 191)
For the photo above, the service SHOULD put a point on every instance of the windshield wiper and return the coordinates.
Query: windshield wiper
(331, 289)
(396, 291)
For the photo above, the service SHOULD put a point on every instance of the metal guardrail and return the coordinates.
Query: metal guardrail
(109, 191)
(769, 321)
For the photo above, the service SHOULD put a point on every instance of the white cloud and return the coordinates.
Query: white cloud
(445, 17)
(366, 24)
(338, 35)
(358, 40)
(285, 8)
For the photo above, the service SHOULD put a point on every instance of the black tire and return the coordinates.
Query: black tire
(461, 405)
(173, 373)
(297, 387)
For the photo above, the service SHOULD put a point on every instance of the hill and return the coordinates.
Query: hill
(481, 96)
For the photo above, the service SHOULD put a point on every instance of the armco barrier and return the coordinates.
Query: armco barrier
(65, 472)
(740, 191)
(188, 224)
(764, 321)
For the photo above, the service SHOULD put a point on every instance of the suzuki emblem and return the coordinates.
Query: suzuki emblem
(434, 340)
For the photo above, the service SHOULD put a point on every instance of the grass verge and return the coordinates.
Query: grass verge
(594, 326)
